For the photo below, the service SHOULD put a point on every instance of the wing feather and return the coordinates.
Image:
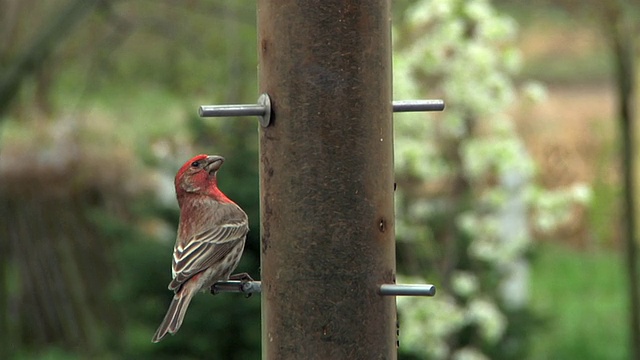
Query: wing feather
(209, 246)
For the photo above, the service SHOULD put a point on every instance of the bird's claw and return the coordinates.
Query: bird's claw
(244, 278)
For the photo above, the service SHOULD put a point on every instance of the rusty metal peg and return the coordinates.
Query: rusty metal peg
(262, 110)
(407, 290)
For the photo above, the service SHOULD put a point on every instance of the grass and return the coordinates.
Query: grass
(582, 298)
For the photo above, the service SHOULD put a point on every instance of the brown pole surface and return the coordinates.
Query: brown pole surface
(326, 178)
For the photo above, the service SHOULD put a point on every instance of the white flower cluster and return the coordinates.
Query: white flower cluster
(465, 52)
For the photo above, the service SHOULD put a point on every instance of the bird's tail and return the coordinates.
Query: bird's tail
(173, 319)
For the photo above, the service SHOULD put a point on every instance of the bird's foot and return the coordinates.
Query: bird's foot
(244, 278)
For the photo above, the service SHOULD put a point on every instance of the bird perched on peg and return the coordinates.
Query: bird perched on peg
(210, 240)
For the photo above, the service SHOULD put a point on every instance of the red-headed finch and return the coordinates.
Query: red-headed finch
(210, 240)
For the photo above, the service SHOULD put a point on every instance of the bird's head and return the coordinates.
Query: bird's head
(198, 175)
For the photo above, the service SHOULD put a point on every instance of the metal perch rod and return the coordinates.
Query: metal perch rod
(247, 287)
(263, 108)
(250, 287)
(407, 290)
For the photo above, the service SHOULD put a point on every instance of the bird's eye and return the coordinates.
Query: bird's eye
(195, 164)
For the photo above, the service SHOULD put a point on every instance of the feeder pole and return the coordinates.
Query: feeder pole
(326, 180)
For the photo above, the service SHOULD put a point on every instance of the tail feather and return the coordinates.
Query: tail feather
(173, 319)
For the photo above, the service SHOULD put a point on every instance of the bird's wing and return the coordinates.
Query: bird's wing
(205, 249)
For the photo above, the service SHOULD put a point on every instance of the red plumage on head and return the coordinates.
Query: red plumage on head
(187, 164)
(198, 177)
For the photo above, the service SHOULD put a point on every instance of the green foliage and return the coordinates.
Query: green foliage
(123, 96)
(222, 326)
(51, 353)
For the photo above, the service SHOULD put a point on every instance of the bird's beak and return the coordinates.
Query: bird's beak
(214, 162)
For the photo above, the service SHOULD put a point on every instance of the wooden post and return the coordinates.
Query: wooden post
(620, 32)
(326, 178)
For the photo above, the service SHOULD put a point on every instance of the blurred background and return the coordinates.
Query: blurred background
(510, 202)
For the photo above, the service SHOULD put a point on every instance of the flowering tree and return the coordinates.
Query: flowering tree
(466, 197)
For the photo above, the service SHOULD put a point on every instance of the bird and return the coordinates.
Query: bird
(210, 239)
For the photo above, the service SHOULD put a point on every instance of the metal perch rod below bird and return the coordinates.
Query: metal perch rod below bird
(250, 287)
(247, 287)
